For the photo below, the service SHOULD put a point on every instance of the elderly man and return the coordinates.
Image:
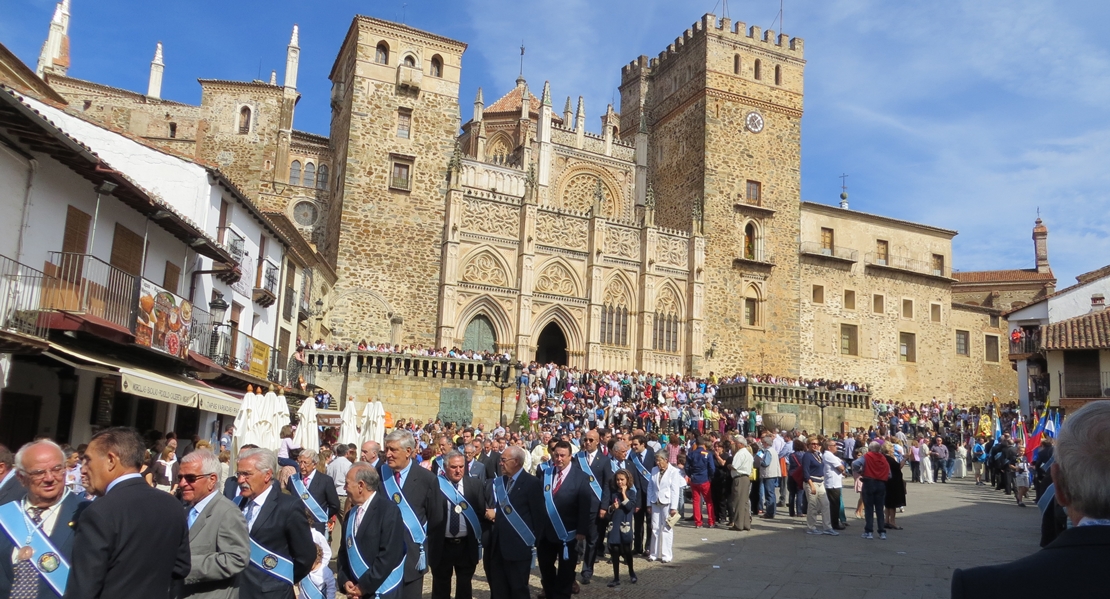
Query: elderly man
(474, 467)
(132, 541)
(316, 491)
(741, 470)
(371, 556)
(416, 491)
(572, 510)
(454, 545)
(218, 541)
(371, 454)
(10, 489)
(345, 455)
(595, 464)
(515, 505)
(25, 566)
(282, 550)
(1073, 563)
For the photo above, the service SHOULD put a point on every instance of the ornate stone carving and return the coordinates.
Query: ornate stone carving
(666, 303)
(556, 280)
(484, 269)
(616, 295)
(490, 218)
(561, 231)
(671, 250)
(622, 242)
(580, 192)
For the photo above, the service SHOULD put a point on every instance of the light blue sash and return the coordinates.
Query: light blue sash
(510, 514)
(49, 562)
(1046, 498)
(552, 514)
(596, 486)
(635, 459)
(453, 496)
(271, 563)
(309, 500)
(416, 529)
(309, 590)
(359, 565)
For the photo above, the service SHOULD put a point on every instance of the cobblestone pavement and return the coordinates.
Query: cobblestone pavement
(945, 526)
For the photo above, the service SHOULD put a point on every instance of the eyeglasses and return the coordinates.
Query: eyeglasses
(38, 475)
(244, 474)
(192, 478)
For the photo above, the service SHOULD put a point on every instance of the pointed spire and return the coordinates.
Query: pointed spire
(58, 11)
(568, 115)
(525, 103)
(581, 113)
(295, 40)
(54, 57)
(273, 77)
(158, 54)
(479, 106)
(292, 59)
(547, 93)
(154, 86)
(456, 158)
(567, 109)
(478, 97)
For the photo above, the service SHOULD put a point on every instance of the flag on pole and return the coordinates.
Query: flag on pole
(1050, 425)
(1035, 438)
(997, 428)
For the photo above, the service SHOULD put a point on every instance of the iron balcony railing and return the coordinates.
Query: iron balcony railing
(818, 249)
(22, 289)
(270, 276)
(86, 284)
(237, 350)
(908, 264)
(233, 242)
(1084, 385)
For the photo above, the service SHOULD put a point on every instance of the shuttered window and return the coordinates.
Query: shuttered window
(172, 277)
(77, 231)
(127, 250)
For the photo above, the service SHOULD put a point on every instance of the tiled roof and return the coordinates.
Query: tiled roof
(1083, 279)
(1090, 331)
(1002, 276)
(511, 101)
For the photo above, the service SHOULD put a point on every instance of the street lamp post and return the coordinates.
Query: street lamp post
(822, 402)
(502, 381)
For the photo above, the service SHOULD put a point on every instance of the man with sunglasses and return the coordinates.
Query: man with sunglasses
(218, 540)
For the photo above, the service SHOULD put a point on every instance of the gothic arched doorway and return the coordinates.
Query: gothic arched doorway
(480, 335)
(552, 345)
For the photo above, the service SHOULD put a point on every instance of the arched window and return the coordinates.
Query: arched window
(244, 120)
(381, 55)
(736, 65)
(410, 61)
(750, 242)
(295, 173)
(751, 307)
(322, 180)
(665, 331)
(310, 175)
(614, 316)
(437, 66)
(778, 75)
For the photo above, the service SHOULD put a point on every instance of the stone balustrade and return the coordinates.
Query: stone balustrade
(380, 363)
(747, 395)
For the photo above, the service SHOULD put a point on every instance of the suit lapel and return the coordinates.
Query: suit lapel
(202, 518)
(370, 508)
(62, 535)
(268, 508)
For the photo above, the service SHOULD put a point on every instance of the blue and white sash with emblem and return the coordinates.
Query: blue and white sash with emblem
(510, 513)
(309, 501)
(271, 563)
(635, 459)
(309, 590)
(596, 486)
(566, 536)
(359, 565)
(462, 506)
(29, 538)
(416, 529)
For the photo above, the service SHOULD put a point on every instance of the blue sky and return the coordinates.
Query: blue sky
(961, 114)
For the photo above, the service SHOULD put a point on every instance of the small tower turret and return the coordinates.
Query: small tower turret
(154, 86)
(1040, 244)
(292, 59)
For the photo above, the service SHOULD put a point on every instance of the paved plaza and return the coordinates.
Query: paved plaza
(945, 526)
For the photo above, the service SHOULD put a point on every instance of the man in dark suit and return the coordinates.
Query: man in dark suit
(10, 487)
(277, 523)
(415, 490)
(453, 544)
(491, 458)
(576, 507)
(374, 527)
(443, 446)
(508, 549)
(41, 469)
(473, 467)
(320, 488)
(1073, 562)
(598, 466)
(132, 541)
(642, 460)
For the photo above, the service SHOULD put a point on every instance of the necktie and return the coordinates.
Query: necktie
(558, 481)
(306, 481)
(397, 475)
(453, 527)
(251, 508)
(358, 515)
(26, 578)
(508, 484)
(193, 514)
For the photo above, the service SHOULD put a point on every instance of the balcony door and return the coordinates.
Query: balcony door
(1081, 377)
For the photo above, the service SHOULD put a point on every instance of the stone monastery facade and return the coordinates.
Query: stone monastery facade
(675, 240)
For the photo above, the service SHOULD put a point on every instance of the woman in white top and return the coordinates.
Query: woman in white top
(664, 496)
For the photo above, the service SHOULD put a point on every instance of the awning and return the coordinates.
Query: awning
(328, 417)
(144, 383)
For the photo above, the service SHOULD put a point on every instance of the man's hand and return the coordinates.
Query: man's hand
(352, 591)
(580, 537)
(491, 514)
(601, 513)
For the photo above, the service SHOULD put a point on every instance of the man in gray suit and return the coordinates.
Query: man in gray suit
(474, 468)
(218, 540)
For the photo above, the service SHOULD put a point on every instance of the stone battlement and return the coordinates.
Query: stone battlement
(723, 27)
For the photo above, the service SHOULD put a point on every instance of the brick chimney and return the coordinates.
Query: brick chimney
(1098, 302)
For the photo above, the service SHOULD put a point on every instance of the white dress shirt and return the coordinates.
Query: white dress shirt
(463, 523)
(258, 502)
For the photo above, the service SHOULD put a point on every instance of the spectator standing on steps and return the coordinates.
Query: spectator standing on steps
(769, 473)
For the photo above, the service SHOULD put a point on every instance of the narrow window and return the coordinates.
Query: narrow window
(849, 299)
(381, 56)
(907, 308)
(322, 180)
(749, 241)
(778, 75)
(751, 314)
(244, 120)
(410, 61)
(934, 312)
(400, 176)
(877, 304)
(437, 66)
(758, 66)
(818, 294)
(310, 175)
(755, 193)
(75, 240)
(938, 265)
(295, 173)
(173, 130)
(963, 339)
(994, 321)
(404, 123)
(171, 277)
(907, 347)
(127, 251)
(827, 240)
(882, 252)
(849, 340)
(736, 65)
(991, 342)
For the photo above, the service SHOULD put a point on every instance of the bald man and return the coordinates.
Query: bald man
(596, 464)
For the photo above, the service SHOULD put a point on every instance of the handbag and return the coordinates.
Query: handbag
(672, 520)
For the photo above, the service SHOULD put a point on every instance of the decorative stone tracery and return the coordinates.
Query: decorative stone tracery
(490, 218)
(556, 280)
(485, 269)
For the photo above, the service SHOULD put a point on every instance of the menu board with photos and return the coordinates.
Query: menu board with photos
(163, 321)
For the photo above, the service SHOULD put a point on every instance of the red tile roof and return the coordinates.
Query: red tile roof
(1002, 276)
(511, 102)
(1090, 331)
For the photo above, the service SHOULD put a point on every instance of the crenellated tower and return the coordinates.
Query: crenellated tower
(722, 108)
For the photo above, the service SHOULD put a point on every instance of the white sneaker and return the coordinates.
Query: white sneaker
(867, 535)
(831, 532)
(813, 532)
(882, 536)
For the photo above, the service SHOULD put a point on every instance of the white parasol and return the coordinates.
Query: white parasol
(247, 430)
(375, 422)
(307, 435)
(348, 431)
